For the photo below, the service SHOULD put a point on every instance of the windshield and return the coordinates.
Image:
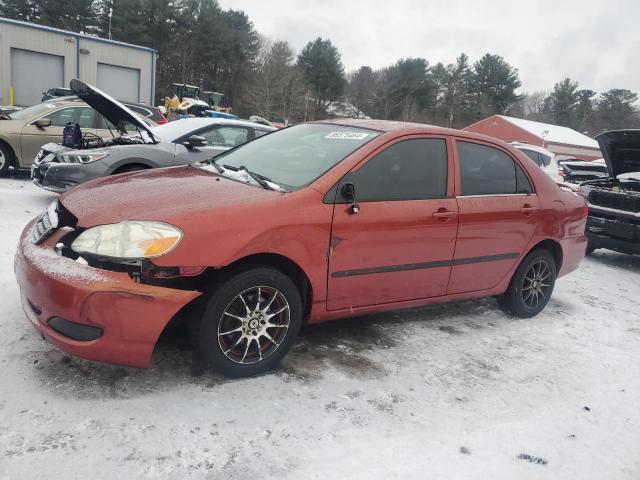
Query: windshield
(296, 156)
(31, 111)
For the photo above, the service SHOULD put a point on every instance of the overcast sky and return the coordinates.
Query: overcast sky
(596, 43)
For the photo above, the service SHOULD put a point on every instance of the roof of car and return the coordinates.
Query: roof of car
(535, 148)
(393, 125)
(73, 98)
(409, 128)
(198, 122)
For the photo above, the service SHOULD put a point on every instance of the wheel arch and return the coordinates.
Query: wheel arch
(553, 247)
(128, 162)
(286, 266)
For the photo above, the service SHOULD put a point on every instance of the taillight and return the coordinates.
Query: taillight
(162, 120)
(585, 211)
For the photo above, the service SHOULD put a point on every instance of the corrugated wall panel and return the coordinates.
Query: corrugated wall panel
(36, 41)
(80, 61)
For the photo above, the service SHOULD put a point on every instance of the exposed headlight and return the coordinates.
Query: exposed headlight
(82, 157)
(128, 240)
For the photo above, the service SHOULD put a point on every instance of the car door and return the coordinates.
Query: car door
(34, 137)
(397, 242)
(497, 216)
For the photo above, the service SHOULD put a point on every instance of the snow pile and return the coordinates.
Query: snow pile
(452, 391)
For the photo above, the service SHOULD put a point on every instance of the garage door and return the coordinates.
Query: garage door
(120, 82)
(33, 73)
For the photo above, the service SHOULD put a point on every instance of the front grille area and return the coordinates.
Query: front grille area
(54, 217)
(45, 225)
(613, 227)
(41, 155)
(627, 201)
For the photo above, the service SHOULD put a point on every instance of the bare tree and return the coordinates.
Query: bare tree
(277, 89)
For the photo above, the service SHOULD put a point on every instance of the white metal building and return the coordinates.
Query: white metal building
(34, 58)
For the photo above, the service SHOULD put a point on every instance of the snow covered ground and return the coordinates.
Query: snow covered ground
(452, 391)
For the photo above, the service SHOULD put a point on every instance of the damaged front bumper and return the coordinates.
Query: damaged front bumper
(59, 177)
(88, 312)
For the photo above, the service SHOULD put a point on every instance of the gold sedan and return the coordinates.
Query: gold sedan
(23, 132)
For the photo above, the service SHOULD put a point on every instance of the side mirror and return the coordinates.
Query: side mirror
(348, 192)
(42, 122)
(195, 141)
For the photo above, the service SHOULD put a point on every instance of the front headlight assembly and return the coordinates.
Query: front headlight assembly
(129, 240)
(82, 157)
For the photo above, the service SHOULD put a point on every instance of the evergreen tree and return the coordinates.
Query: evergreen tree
(584, 109)
(458, 92)
(322, 68)
(616, 109)
(564, 101)
(73, 15)
(494, 85)
(25, 10)
(361, 89)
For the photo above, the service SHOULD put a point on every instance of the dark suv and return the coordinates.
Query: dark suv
(614, 201)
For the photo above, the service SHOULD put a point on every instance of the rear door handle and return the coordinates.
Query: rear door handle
(528, 209)
(443, 214)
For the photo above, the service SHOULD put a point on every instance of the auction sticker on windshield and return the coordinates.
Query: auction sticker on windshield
(347, 135)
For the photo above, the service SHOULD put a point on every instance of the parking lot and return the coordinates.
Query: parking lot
(457, 390)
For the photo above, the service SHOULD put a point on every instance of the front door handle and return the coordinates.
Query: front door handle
(444, 215)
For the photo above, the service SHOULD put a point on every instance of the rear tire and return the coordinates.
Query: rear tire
(6, 157)
(248, 322)
(531, 286)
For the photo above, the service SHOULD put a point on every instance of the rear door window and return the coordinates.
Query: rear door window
(544, 160)
(86, 118)
(488, 171)
(535, 156)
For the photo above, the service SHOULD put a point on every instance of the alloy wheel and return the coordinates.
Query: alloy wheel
(536, 287)
(3, 160)
(253, 325)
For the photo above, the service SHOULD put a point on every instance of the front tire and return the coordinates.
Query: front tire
(6, 155)
(531, 286)
(248, 322)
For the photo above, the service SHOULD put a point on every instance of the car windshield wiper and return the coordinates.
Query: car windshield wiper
(218, 168)
(259, 179)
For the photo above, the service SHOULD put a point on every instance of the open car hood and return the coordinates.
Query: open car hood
(621, 151)
(112, 109)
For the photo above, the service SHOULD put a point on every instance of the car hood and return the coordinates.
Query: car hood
(621, 151)
(169, 194)
(112, 109)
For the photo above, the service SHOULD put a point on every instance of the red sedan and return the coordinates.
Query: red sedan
(308, 224)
